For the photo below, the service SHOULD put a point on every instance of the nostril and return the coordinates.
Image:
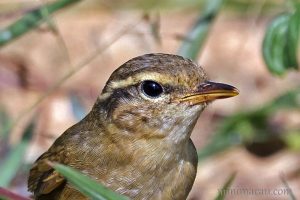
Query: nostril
(204, 86)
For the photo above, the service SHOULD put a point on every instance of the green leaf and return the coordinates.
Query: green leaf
(86, 185)
(274, 44)
(224, 190)
(10, 166)
(293, 33)
(281, 42)
(31, 20)
(194, 40)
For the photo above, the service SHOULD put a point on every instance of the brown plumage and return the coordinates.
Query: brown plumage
(136, 139)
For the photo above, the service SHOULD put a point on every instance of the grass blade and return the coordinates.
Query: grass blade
(86, 185)
(13, 161)
(285, 183)
(224, 190)
(193, 43)
(4, 123)
(31, 20)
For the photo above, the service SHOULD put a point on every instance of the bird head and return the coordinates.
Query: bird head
(158, 96)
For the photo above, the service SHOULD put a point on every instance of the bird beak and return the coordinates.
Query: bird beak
(209, 91)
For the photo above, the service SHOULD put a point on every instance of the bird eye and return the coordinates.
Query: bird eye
(152, 89)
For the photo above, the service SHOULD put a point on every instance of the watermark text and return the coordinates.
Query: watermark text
(255, 191)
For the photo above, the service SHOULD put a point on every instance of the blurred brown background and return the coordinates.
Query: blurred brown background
(46, 60)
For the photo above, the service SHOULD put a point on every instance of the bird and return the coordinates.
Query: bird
(136, 138)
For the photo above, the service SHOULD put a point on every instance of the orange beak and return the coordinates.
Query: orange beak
(209, 91)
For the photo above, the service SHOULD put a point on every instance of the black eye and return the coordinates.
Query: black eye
(152, 88)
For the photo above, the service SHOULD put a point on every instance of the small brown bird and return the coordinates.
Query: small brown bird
(136, 139)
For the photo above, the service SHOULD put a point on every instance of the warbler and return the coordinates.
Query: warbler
(136, 139)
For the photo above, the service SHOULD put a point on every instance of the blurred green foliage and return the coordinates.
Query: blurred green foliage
(280, 50)
(11, 164)
(195, 38)
(292, 139)
(281, 42)
(148, 5)
(249, 126)
(31, 20)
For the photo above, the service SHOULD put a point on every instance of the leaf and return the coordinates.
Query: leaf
(194, 41)
(10, 166)
(274, 44)
(226, 187)
(281, 42)
(86, 185)
(293, 34)
(31, 20)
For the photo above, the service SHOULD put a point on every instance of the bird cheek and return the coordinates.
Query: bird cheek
(124, 119)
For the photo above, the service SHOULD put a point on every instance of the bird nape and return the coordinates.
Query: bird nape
(136, 139)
